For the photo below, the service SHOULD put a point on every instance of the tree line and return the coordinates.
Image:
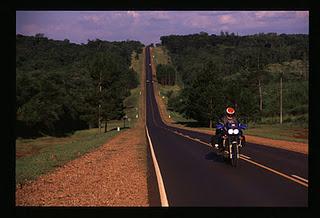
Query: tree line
(166, 74)
(240, 71)
(63, 86)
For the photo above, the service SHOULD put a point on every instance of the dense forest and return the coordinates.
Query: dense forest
(257, 74)
(63, 86)
(166, 74)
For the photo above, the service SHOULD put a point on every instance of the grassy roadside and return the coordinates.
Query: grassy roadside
(49, 153)
(160, 55)
(41, 155)
(164, 94)
(139, 66)
(287, 131)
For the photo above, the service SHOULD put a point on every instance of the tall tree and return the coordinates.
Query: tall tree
(204, 103)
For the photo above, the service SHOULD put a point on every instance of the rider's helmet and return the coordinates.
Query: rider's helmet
(230, 112)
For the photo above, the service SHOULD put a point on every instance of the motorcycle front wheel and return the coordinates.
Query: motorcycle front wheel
(234, 158)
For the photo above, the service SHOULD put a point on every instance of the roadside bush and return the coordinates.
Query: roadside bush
(175, 103)
(301, 109)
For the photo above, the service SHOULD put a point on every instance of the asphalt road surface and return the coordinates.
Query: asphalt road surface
(191, 174)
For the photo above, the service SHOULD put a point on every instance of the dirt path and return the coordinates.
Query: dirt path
(114, 174)
(288, 145)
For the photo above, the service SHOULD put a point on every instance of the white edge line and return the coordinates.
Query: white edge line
(242, 155)
(163, 196)
(298, 177)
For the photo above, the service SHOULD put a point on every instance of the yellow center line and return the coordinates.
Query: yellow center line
(188, 137)
(245, 158)
(276, 172)
(242, 155)
(298, 177)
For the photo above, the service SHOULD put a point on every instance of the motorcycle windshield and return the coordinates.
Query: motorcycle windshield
(232, 125)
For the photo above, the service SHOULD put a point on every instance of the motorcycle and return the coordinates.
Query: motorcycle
(232, 141)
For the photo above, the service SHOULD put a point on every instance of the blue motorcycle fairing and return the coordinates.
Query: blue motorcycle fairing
(243, 126)
(219, 126)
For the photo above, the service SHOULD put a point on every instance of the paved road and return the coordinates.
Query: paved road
(193, 175)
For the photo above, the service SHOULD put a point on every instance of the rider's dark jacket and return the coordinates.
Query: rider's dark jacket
(224, 120)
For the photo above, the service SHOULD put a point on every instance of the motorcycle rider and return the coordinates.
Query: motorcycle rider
(230, 118)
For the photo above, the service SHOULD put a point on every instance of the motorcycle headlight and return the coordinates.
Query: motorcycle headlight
(230, 131)
(235, 131)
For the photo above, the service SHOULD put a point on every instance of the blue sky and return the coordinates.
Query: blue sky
(148, 26)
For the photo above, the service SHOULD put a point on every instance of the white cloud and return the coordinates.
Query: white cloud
(263, 14)
(145, 25)
(133, 14)
(93, 18)
(302, 14)
(31, 29)
(226, 19)
(160, 14)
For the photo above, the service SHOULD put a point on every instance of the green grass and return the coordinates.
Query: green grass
(161, 55)
(51, 154)
(132, 102)
(132, 106)
(286, 132)
(289, 120)
(164, 90)
(178, 118)
(136, 64)
(41, 155)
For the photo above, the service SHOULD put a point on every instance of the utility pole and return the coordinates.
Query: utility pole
(281, 98)
(259, 84)
(211, 112)
(99, 121)
(260, 95)
(99, 118)
(305, 66)
(124, 121)
(100, 104)
(175, 76)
